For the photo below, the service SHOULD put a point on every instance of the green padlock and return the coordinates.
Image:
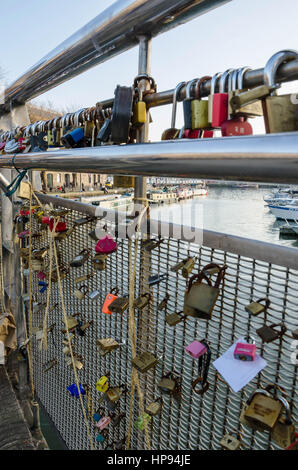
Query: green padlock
(199, 107)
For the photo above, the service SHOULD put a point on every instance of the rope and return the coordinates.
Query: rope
(135, 382)
(44, 341)
(30, 360)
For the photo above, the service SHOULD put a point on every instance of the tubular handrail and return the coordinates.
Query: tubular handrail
(261, 158)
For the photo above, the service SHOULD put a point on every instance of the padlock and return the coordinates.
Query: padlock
(102, 437)
(245, 351)
(255, 308)
(77, 362)
(73, 138)
(115, 393)
(150, 245)
(110, 299)
(99, 262)
(213, 86)
(200, 298)
(37, 265)
(140, 422)
(102, 384)
(174, 318)
(294, 444)
(73, 390)
(262, 410)
(106, 345)
(235, 125)
(163, 304)
(181, 264)
(80, 259)
(188, 267)
(98, 414)
(269, 333)
(39, 253)
(168, 384)
(280, 112)
(121, 115)
(83, 220)
(81, 292)
(43, 286)
(295, 333)
(187, 105)
(144, 361)
(284, 432)
(172, 132)
(154, 408)
(103, 422)
(50, 364)
(250, 110)
(63, 272)
(196, 349)
(199, 107)
(220, 101)
(82, 327)
(230, 442)
(104, 132)
(85, 277)
(70, 322)
(156, 279)
(142, 301)
(94, 295)
(139, 108)
(106, 245)
(119, 305)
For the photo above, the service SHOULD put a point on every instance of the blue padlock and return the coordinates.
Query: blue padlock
(100, 438)
(97, 417)
(43, 286)
(73, 389)
(73, 138)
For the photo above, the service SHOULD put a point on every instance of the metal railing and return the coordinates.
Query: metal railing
(255, 270)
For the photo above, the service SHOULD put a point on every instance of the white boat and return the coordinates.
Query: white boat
(285, 212)
(281, 196)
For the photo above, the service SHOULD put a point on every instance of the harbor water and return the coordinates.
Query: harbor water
(230, 210)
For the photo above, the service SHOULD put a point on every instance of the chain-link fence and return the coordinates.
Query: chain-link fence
(194, 422)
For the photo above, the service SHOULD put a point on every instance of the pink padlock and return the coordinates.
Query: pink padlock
(245, 351)
(103, 422)
(106, 245)
(41, 275)
(196, 349)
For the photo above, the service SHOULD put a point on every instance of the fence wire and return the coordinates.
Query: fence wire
(196, 422)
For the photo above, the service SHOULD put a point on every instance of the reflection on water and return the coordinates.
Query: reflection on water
(228, 210)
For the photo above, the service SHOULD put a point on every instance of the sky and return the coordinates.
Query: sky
(240, 33)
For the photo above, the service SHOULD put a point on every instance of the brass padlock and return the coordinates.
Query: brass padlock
(77, 361)
(144, 361)
(150, 245)
(280, 112)
(269, 333)
(99, 262)
(63, 235)
(82, 327)
(255, 308)
(263, 410)
(71, 322)
(81, 292)
(106, 345)
(39, 253)
(163, 304)
(115, 393)
(284, 432)
(174, 318)
(230, 442)
(188, 267)
(154, 408)
(63, 272)
(200, 298)
(168, 384)
(83, 278)
(119, 305)
(37, 265)
(142, 301)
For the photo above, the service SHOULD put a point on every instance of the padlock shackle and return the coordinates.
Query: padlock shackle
(223, 80)
(221, 272)
(188, 88)
(240, 76)
(267, 302)
(214, 82)
(175, 98)
(273, 64)
(198, 85)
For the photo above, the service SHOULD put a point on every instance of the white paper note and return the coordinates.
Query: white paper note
(235, 372)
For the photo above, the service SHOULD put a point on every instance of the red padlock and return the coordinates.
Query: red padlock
(191, 134)
(220, 102)
(106, 245)
(236, 126)
(207, 134)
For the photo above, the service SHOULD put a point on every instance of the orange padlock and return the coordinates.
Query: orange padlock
(109, 299)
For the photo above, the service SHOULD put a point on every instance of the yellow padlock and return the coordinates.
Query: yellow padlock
(102, 384)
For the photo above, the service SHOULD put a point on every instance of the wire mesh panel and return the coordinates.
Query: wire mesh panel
(193, 421)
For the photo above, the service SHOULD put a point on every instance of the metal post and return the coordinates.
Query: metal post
(142, 133)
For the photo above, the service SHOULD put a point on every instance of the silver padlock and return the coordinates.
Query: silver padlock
(94, 295)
